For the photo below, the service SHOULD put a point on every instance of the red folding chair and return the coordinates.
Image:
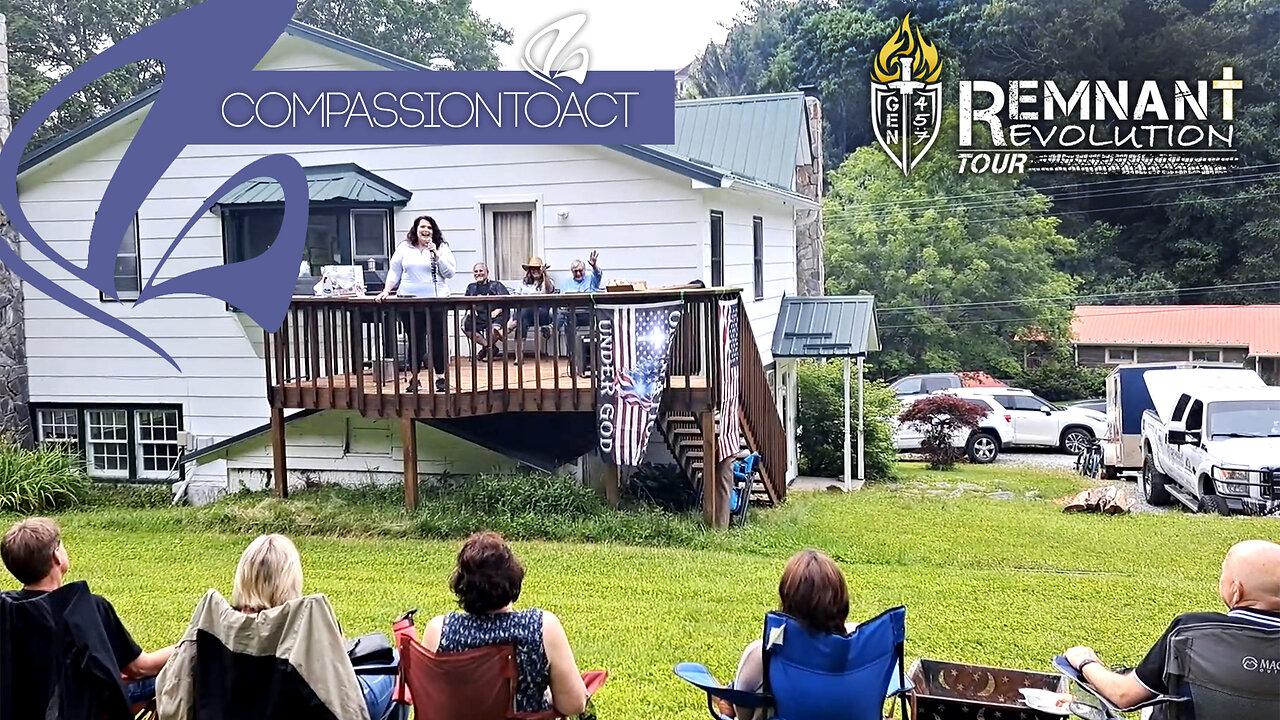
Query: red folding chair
(478, 684)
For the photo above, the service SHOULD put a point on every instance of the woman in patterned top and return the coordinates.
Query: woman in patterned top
(487, 583)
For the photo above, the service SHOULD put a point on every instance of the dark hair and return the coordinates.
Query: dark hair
(437, 237)
(28, 549)
(488, 575)
(813, 591)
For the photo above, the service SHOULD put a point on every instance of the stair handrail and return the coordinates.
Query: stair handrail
(758, 411)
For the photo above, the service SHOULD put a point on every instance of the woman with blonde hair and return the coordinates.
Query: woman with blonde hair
(269, 575)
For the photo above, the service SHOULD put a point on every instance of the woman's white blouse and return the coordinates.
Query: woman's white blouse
(414, 273)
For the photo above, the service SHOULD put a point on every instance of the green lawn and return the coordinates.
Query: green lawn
(987, 581)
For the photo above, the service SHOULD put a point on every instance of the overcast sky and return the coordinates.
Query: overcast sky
(643, 35)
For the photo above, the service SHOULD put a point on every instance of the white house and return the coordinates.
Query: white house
(719, 205)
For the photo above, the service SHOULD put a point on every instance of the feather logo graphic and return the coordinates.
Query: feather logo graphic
(553, 65)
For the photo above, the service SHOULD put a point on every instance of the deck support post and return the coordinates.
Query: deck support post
(613, 485)
(279, 466)
(709, 469)
(409, 441)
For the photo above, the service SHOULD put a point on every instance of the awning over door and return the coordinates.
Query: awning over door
(838, 326)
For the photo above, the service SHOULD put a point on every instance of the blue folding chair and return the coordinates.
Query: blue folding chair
(744, 473)
(817, 676)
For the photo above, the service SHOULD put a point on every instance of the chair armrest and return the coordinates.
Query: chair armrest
(895, 688)
(700, 677)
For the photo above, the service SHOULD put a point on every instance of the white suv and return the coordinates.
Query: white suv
(982, 445)
(1038, 422)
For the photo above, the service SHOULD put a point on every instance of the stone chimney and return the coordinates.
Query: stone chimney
(15, 416)
(810, 265)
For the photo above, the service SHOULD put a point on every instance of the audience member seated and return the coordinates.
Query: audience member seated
(581, 283)
(536, 282)
(268, 614)
(487, 582)
(485, 323)
(34, 554)
(1249, 586)
(812, 591)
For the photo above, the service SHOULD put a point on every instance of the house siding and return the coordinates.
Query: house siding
(739, 256)
(647, 224)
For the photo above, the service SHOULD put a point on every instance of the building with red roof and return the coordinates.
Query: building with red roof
(1118, 334)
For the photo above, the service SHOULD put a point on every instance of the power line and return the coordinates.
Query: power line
(990, 203)
(1059, 298)
(951, 323)
(1050, 187)
(1241, 196)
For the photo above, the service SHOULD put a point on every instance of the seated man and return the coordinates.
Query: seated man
(1250, 588)
(484, 324)
(34, 554)
(581, 283)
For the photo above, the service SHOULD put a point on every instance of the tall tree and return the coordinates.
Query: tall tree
(962, 266)
(50, 38)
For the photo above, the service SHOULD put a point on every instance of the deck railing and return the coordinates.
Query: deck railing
(359, 354)
(760, 418)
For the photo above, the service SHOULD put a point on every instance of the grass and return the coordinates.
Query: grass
(1007, 583)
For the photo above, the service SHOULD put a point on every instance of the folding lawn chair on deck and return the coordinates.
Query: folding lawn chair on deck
(817, 676)
(478, 684)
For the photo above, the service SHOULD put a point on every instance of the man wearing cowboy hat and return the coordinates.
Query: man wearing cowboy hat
(536, 282)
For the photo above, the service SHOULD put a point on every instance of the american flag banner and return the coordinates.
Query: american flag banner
(730, 438)
(635, 348)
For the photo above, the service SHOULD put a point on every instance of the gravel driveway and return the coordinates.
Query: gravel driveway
(1045, 459)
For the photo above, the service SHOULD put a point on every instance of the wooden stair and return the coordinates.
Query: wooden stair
(683, 437)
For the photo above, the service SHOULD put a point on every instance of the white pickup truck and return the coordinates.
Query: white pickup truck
(1216, 449)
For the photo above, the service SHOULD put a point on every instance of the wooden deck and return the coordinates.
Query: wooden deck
(474, 388)
(329, 354)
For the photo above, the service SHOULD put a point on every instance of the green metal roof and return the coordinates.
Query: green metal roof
(755, 136)
(827, 326)
(346, 183)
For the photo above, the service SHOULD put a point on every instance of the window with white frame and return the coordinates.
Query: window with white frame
(128, 271)
(61, 427)
(1120, 355)
(509, 238)
(108, 443)
(157, 443)
(117, 443)
(1206, 355)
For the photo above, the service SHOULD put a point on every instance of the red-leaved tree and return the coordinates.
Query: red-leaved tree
(941, 419)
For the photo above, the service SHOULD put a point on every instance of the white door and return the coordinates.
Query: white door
(785, 397)
(1033, 421)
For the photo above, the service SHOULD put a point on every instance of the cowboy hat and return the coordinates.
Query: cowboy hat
(535, 262)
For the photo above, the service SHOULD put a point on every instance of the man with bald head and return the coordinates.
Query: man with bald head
(1250, 588)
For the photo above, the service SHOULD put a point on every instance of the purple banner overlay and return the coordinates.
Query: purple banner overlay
(482, 108)
(211, 95)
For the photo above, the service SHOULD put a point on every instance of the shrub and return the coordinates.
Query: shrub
(40, 480)
(940, 418)
(663, 486)
(1059, 380)
(821, 420)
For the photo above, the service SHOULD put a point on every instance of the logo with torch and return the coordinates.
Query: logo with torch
(906, 97)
